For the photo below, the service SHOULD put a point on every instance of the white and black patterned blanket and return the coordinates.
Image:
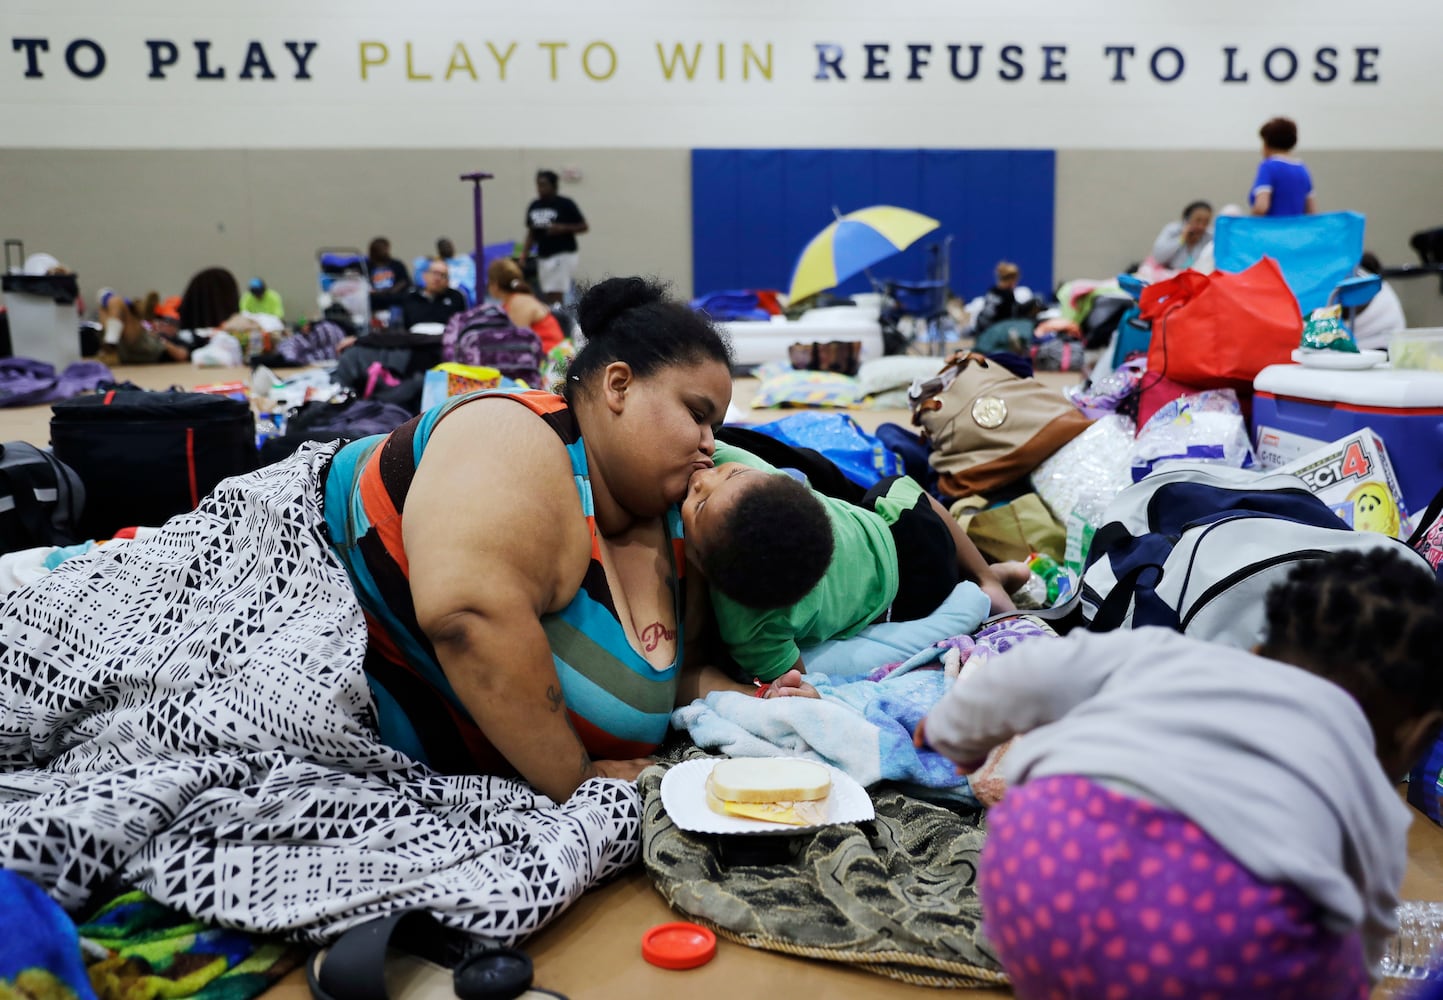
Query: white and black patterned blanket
(189, 716)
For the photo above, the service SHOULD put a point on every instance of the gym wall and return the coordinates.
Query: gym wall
(141, 144)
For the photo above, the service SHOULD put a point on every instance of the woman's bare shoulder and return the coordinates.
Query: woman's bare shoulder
(526, 309)
(496, 439)
(494, 488)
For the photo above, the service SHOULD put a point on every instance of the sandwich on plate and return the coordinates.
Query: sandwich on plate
(772, 789)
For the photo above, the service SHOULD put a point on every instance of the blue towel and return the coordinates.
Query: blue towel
(876, 645)
(39, 949)
(861, 727)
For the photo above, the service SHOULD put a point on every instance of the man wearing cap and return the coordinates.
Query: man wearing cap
(260, 299)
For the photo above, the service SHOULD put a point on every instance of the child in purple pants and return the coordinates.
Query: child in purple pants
(1191, 820)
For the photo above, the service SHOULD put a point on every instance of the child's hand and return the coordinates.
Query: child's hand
(919, 740)
(790, 685)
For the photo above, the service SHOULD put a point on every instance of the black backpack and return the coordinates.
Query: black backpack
(326, 421)
(147, 456)
(41, 499)
(407, 356)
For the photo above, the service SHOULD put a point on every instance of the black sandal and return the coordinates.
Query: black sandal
(354, 967)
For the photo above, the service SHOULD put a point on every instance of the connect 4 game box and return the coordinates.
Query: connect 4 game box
(1354, 477)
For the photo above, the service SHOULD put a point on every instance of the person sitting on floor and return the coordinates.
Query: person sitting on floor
(390, 281)
(896, 556)
(435, 301)
(462, 267)
(262, 300)
(212, 296)
(1005, 300)
(1181, 241)
(1189, 819)
(1375, 324)
(506, 284)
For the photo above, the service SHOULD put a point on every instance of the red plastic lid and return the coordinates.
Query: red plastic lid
(678, 946)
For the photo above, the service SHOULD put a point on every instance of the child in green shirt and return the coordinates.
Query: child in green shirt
(895, 557)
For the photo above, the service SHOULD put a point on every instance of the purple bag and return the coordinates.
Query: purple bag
(485, 336)
(315, 343)
(25, 382)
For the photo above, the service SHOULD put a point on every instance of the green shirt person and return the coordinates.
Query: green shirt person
(260, 299)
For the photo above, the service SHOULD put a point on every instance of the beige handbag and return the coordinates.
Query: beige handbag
(987, 428)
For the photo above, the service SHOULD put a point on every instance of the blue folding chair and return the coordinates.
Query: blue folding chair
(923, 301)
(1318, 254)
(1133, 334)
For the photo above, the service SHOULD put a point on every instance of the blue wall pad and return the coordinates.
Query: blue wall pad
(754, 209)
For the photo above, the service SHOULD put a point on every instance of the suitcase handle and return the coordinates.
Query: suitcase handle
(321, 252)
(19, 264)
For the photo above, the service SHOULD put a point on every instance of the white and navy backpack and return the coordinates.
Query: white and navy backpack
(1195, 548)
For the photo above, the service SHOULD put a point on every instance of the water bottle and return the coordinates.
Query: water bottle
(265, 421)
(1058, 581)
(1413, 951)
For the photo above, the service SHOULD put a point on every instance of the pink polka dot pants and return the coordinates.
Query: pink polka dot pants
(1088, 893)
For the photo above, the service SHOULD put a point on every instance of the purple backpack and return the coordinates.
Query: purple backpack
(485, 335)
(316, 342)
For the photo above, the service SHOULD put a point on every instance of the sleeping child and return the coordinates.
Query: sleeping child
(896, 557)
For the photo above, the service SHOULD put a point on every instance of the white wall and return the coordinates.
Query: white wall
(138, 182)
(142, 219)
(1111, 204)
(1119, 74)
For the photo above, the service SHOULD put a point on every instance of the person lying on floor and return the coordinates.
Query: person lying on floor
(1189, 819)
(135, 333)
(329, 673)
(896, 556)
(517, 557)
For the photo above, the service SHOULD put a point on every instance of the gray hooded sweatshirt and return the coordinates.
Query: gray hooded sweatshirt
(1275, 764)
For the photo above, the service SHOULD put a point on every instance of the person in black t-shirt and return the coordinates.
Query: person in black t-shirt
(552, 225)
(390, 281)
(435, 301)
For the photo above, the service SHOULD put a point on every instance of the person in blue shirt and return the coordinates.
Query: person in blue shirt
(1283, 185)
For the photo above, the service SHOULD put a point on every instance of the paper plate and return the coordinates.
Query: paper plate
(1339, 360)
(683, 796)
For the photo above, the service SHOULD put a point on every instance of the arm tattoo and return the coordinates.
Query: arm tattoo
(553, 695)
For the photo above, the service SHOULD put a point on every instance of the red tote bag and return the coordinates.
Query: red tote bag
(1218, 331)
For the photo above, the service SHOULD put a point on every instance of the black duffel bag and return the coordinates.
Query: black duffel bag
(147, 456)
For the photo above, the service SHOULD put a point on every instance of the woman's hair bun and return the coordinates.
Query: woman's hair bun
(604, 301)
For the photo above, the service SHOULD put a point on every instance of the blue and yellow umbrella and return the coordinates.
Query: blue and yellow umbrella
(854, 243)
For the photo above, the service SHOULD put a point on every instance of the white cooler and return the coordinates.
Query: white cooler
(43, 322)
(755, 342)
(1297, 409)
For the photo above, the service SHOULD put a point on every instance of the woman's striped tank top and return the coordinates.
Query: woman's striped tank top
(618, 703)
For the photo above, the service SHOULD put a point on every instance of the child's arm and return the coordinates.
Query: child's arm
(700, 675)
(970, 561)
(697, 681)
(1028, 686)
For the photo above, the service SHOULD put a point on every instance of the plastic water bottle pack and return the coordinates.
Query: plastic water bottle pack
(1413, 951)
